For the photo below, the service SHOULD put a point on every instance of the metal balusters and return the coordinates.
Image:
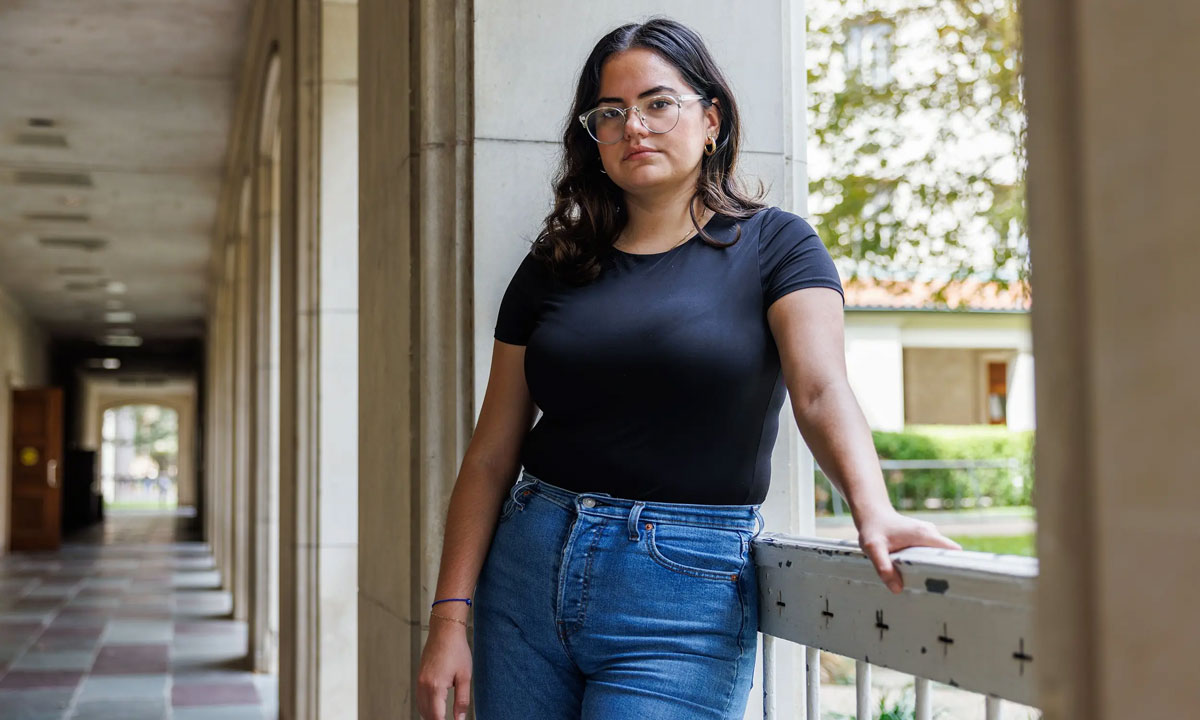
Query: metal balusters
(812, 658)
(924, 706)
(862, 684)
(768, 688)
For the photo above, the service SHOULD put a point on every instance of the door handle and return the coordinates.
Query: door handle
(52, 473)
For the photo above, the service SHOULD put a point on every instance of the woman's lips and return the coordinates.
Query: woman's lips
(640, 154)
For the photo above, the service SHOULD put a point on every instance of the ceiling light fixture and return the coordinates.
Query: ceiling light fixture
(78, 271)
(87, 244)
(122, 340)
(116, 287)
(60, 178)
(118, 316)
(64, 217)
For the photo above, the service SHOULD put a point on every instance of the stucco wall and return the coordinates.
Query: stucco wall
(948, 385)
(875, 368)
(926, 367)
(940, 386)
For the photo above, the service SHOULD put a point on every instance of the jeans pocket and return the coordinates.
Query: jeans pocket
(710, 553)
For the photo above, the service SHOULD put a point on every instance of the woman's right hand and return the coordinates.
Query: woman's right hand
(445, 664)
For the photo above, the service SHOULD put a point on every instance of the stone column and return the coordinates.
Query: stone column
(1020, 401)
(414, 323)
(264, 494)
(1113, 110)
(319, 677)
(243, 405)
(223, 532)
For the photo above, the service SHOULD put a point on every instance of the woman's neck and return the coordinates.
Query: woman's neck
(659, 223)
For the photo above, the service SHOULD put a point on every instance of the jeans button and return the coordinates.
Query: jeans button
(589, 503)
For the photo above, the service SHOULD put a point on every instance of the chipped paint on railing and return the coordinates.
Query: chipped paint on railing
(964, 618)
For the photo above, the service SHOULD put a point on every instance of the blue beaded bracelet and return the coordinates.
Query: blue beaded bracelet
(466, 600)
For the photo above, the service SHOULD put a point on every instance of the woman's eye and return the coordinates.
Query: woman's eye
(609, 114)
(659, 104)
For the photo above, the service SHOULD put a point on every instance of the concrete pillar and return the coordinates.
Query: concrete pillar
(213, 467)
(244, 383)
(320, 674)
(264, 495)
(790, 504)
(263, 441)
(875, 364)
(186, 477)
(1020, 408)
(223, 532)
(1113, 151)
(210, 440)
(414, 323)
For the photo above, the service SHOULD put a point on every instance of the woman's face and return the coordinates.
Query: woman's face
(673, 159)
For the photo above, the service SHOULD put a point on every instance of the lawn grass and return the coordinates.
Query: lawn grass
(1001, 545)
(140, 505)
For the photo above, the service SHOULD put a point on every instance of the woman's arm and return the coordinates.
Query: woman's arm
(488, 469)
(808, 330)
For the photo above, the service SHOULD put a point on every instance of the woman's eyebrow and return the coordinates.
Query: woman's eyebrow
(652, 91)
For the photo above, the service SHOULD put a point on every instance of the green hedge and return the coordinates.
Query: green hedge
(910, 489)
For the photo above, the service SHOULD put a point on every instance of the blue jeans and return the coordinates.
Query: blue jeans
(600, 608)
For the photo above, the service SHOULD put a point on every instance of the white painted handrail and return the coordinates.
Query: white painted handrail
(964, 618)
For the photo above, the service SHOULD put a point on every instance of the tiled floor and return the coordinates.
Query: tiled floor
(125, 623)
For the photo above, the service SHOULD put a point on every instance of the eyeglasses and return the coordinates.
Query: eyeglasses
(660, 114)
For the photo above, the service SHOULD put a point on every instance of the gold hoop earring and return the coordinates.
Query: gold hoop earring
(710, 146)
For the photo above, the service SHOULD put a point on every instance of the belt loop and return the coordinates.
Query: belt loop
(762, 524)
(523, 481)
(634, 514)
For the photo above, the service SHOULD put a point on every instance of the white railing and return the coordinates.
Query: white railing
(964, 619)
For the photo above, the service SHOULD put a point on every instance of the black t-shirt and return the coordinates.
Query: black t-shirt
(660, 380)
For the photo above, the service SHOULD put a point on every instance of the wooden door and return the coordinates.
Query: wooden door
(997, 397)
(36, 519)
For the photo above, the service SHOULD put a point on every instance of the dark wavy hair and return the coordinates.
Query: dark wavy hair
(588, 211)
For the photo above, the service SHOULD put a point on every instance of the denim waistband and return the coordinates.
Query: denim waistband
(735, 517)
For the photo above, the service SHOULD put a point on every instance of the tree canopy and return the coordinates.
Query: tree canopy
(917, 138)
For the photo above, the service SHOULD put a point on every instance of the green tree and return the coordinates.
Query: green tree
(917, 138)
(156, 435)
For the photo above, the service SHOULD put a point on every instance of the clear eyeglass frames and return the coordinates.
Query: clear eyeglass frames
(660, 114)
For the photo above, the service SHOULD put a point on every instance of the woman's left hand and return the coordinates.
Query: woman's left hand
(889, 531)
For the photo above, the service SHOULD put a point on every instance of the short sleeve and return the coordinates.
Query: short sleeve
(791, 256)
(519, 307)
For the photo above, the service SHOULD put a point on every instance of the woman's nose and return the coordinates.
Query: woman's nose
(634, 127)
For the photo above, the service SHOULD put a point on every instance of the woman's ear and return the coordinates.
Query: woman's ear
(713, 115)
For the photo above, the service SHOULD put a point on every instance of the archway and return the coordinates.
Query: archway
(104, 426)
(139, 457)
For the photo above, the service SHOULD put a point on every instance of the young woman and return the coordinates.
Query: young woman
(656, 322)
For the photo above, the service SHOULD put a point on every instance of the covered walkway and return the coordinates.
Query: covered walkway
(291, 222)
(126, 622)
